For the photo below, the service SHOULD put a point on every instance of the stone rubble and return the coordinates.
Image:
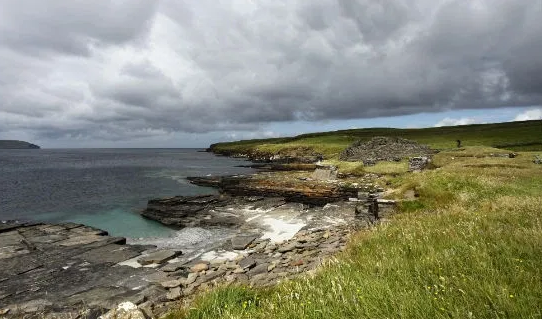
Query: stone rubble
(384, 148)
(417, 164)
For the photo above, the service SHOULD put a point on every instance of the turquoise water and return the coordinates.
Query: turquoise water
(104, 188)
(125, 224)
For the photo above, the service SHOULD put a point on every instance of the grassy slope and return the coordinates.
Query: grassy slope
(522, 136)
(468, 247)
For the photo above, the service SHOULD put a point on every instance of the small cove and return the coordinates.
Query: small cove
(105, 188)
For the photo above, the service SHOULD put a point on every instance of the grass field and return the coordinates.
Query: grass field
(515, 136)
(470, 246)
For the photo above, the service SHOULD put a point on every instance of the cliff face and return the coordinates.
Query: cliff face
(13, 144)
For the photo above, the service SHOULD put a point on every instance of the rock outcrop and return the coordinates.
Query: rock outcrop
(296, 154)
(62, 270)
(13, 144)
(309, 191)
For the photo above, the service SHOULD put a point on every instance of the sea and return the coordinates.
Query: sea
(107, 188)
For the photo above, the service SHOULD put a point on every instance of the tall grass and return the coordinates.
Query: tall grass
(469, 247)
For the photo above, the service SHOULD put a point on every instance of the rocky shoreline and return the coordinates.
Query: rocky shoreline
(282, 225)
(75, 271)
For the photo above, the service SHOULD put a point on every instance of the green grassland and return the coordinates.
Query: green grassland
(515, 136)
(469, 246)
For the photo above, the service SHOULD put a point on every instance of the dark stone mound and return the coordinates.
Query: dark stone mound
(384, 149)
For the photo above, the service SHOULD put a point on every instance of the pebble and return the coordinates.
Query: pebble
(239, 271)
(199, 267)
(287, 248)
(172, 283)
(297, 263)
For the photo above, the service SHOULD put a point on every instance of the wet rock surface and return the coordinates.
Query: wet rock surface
(64, 268)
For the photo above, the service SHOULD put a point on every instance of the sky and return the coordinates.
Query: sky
(187, 73)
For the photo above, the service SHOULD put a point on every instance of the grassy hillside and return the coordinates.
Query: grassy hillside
(516, 136)
(468, 247)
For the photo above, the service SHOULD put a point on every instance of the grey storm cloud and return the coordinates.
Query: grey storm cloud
(120, 69)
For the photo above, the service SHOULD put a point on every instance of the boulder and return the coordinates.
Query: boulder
(325, 173)
(158, 257)
(172, 283)
(199, 267)
(242, 242)
(247, 262)
(174, 294)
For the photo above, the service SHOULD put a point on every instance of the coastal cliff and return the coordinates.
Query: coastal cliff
(14, 144)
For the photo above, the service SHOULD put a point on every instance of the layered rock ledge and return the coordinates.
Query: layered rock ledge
(291, 186)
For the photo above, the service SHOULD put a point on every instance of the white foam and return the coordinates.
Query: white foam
(253, 217)
(131, 263)
(215, 255)
(281, 230)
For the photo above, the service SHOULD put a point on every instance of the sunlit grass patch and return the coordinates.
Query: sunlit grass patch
(391, 168)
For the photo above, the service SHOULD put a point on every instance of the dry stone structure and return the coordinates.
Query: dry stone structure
(384, 149)
(417, 164)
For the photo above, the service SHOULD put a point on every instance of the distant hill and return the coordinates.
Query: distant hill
(514, 136)
(12, 144)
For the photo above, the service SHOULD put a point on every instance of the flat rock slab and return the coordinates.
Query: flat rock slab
(171, 267)
(110, 253)
(11, 238)
(80, 240)
(158, 257)
(242, 242)
(247, 262)
(66, 268)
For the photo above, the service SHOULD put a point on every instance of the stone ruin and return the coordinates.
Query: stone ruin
(417, 164)
(325, 173)
(373, 209)
(384, 149)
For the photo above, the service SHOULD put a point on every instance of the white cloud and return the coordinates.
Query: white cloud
(532, 114)
(453, 122)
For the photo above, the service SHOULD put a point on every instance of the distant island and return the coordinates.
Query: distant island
(13, 144)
